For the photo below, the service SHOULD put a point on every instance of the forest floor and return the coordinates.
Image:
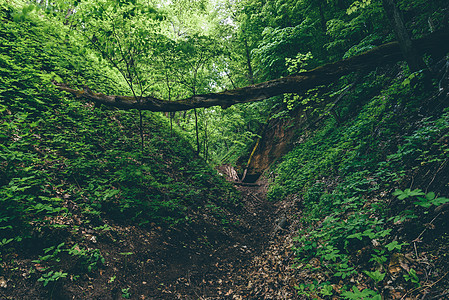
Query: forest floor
(249, 260)
(241, 254)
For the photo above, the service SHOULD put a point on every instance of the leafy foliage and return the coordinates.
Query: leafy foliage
(340, 172)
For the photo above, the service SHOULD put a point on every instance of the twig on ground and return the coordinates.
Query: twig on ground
(434, 176)
(193, 288)
(431, 222)
(441, 296)
(427, 287)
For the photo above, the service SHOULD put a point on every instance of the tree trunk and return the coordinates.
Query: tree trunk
(248, 61)
(197, 132)
(435, 43)
(322, 18)
(413, 59)
(206, 142)
(141, 129)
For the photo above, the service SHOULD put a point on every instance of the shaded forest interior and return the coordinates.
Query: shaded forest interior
(300, 150)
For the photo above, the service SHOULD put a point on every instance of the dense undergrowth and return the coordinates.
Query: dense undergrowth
(367, 184)
(65, 165)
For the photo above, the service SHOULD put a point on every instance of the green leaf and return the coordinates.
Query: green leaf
(376, 275)
(326, 290)
(394, 245)
(408, 193)
(430, 196)
(440, 200)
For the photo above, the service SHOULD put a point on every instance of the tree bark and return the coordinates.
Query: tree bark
(436, 43)
(322, 17)
(197, 131)
(248, 61)
(413, 59)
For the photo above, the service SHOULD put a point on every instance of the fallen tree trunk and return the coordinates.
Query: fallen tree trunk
(436, 43)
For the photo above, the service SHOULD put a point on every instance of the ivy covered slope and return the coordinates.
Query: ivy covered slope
(70, 172)
(372, 181)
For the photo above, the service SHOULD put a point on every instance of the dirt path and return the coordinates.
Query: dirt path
(257, 264)
(268, 274)
(250, 259)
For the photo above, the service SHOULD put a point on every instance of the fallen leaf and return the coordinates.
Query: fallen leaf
(3, 283)
(397, 261)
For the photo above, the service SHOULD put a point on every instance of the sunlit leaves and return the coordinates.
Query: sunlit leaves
(124, 33)
(358, 5)
(276, 45)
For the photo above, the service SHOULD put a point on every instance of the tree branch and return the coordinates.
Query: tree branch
(436, 43)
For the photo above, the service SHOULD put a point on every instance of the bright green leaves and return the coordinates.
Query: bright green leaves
(124, 33)
(170, 58)
(365, 294)
(298, 63)
(430, 199)
(51, 276)
(358, 5)
(55, 151)
(427, 201)
(48, 78)
(370, 233)
(22, 14)
(326, 290)
(408, 193)
(376, 275)
(412, 277)
(278, 45)
(82, 260)
(395, 245)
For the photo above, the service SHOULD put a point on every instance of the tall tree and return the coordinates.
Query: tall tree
(414, 61)
(124, 33)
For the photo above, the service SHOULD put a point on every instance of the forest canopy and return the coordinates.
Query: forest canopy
(182, 51)
(175, 56)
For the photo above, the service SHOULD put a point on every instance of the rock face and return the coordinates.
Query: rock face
(276, 140)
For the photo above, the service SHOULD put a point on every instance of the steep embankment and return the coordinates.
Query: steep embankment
(368, 180)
